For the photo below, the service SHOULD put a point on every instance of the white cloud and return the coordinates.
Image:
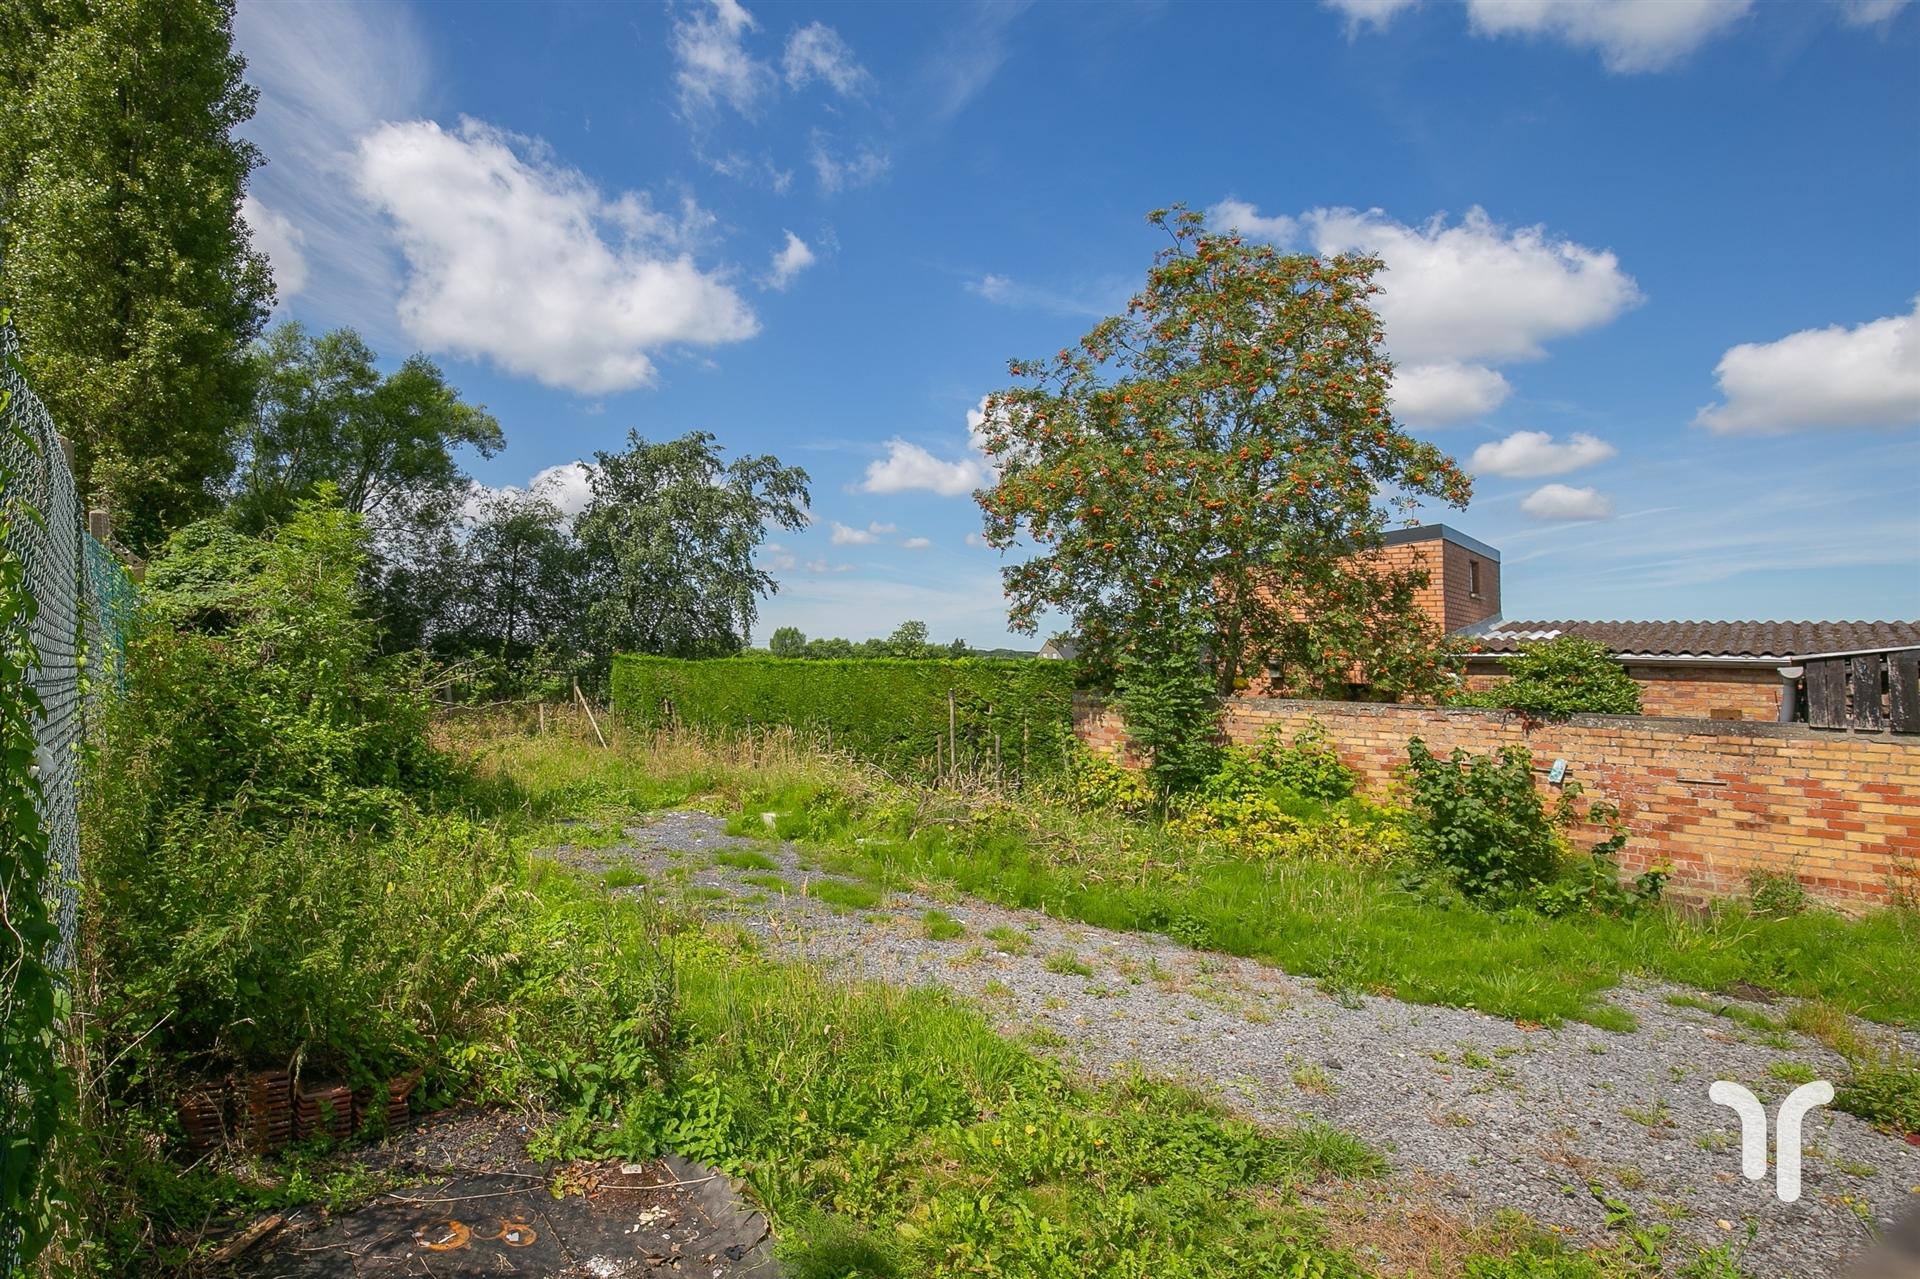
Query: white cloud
(275, 235)
(519, 260)
(816, 52)
(1436, 394)
(789, 261)
(1368, 13)
(1562, 502)
(1458, 298)
(844, 536)
(777, 558)
(971, 53)
(311, 113)
(974, 539)
(917, 543)
(1630, 35)
(820, 567)
(1529, 454)
(908, 466)
(1868, 375)
(1870, 13)
(568, 485)
(1477, 290)
(844, 171)
(1095, 303)
(1238, 215)
(709, 46)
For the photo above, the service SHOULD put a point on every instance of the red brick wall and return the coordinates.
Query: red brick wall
(1694, 693)
(1686, 692)
(1839, 812)
(1448, 596)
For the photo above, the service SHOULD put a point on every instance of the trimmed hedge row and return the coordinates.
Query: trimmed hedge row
(890, 710)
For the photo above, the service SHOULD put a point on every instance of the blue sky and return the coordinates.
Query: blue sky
(1653, 264)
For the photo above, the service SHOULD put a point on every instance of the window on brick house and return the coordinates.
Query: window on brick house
(1473, 578)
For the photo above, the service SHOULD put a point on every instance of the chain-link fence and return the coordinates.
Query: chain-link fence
(81, 602)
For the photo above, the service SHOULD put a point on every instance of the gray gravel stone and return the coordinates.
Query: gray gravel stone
(1496, 1116)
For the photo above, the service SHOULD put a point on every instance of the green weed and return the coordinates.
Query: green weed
(940, 926)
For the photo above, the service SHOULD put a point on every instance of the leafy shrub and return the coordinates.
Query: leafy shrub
(1251, 826)
(1258, 827)
(1096, 784)
(1172, 708)
(1566, 675)
(1480, 818)
(1310, 767)
(1883, 1090)
(257, 687)
(889, 710)
(1775, 894)
(1590, 885)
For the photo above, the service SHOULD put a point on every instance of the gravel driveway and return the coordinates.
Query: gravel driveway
(1487, 1115)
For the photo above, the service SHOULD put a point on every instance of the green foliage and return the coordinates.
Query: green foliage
(888, 710)
(1368, 922)
(518, 595)
(1310, 767)
(1094, 783)
(385, 442)
(1775, 893)
(123, 251)
(1213, 461)
(909, 639)
(1883, 1089)
(1171, 708)
(1481, 819)
(940, 926)
(1566, 675)
(669, 538)
(259, 687)
(36, 1087)
(891, 1133)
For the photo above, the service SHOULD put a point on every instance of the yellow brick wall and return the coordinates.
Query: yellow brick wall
(1838, 812)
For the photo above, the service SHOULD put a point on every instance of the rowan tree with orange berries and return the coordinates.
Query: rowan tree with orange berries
(1216, 463)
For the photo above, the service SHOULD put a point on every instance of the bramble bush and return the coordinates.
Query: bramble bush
(1480, 820)
(1566, 675)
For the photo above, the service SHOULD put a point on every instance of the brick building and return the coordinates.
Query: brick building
(1698, 670)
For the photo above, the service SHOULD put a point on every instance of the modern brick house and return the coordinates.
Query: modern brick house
(1700, 670)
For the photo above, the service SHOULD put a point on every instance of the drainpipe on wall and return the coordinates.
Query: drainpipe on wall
(1789, 691)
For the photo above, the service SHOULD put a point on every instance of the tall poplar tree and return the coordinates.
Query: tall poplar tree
(131, 275)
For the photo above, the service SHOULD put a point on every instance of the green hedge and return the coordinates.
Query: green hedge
(890, 710)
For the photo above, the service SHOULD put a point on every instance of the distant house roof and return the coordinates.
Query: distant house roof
(1064, 650)
(1726, 640)
(1439, 533)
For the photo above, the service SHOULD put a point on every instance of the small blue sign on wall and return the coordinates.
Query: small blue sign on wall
(1558, 773)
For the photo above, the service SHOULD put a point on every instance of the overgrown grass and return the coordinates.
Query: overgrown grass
(892, 1132)
(1357, 924)
(888, 1132)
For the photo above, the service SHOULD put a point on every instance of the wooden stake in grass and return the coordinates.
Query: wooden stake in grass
(589, 710)
(953, 740)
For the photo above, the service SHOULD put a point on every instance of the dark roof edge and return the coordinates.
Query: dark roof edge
(1446, 533)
